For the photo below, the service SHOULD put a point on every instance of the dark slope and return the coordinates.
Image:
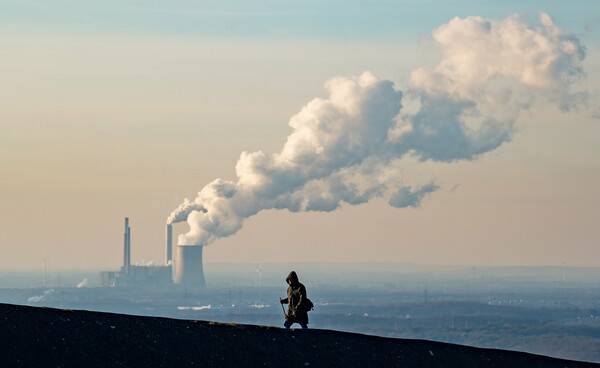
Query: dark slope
(44, 337)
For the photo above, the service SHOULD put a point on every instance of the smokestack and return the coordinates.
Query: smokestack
(169, 243)
(188, 270)
(127, 247)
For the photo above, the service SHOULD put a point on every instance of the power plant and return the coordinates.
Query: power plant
(169, 244)
(126, 248)
(186, 269)
(188, 266)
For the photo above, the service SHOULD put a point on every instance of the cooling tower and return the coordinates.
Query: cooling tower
(188, 266)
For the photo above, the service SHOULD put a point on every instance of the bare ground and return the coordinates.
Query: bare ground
(45, 337)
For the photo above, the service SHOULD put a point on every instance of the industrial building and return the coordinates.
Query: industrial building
(185, 270)
(188, 266)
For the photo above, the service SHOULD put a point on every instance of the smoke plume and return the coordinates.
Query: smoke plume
(83, 283)
(347, 148)
(40, 298)
(184, 209)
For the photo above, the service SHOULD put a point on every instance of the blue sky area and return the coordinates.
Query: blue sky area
(296, 19)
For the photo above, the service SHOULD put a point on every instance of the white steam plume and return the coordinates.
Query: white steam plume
(346, 148)
(83, 283)
(181, 213)
(478, 54)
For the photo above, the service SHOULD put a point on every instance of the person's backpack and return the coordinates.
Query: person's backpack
(307, 305)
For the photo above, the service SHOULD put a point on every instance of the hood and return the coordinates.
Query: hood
(292, 277)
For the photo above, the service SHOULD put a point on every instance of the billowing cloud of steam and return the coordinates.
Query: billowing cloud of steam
(505, 62)
(346, 148)
(184, 209)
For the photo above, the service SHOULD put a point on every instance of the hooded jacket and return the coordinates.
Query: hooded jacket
(296, 294)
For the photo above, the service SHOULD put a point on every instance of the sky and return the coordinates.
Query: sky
(112, 108)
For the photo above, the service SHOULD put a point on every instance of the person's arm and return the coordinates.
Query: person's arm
(286, 300)
(302, 297)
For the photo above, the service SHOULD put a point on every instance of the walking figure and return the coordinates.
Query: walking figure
(296, 300)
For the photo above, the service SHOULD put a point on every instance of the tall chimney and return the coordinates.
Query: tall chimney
(188, 266)
(127, 247)
(169, 243)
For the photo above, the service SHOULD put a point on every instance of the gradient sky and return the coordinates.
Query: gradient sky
(124, 108)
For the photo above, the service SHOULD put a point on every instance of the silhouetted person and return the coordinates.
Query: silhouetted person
(296, 294)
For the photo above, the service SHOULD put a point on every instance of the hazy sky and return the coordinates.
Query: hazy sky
(124, 108)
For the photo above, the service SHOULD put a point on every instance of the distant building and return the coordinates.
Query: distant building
(108, 278)
(136, 275)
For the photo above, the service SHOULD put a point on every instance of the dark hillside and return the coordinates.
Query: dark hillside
(44, 337)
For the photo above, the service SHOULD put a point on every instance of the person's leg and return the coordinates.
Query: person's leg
(304, 326)
(288, 324)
